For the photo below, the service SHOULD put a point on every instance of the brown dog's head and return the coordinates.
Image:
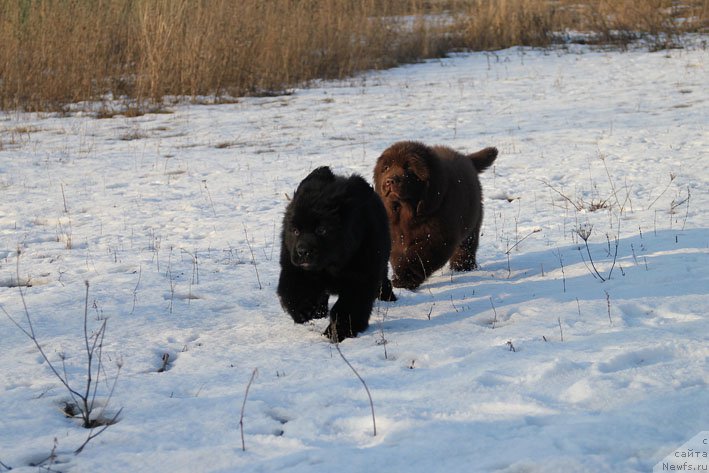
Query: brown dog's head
(407, 177)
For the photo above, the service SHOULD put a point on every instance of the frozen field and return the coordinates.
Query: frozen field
(174, 220)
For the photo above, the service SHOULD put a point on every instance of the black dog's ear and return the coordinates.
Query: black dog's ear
(353, 191)
(357, 190)
(322, 174)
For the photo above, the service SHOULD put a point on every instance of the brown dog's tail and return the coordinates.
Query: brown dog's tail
(483, 158)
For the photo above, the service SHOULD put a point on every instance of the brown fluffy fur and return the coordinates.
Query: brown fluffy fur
(434, 202)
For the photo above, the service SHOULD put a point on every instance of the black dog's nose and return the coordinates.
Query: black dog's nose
(302, 251)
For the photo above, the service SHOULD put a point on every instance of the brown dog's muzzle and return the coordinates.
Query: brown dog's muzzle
(393, 184)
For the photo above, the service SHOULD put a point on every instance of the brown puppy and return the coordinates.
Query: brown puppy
(434, 202)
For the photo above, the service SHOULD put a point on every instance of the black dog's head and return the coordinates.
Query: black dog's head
(316, 230)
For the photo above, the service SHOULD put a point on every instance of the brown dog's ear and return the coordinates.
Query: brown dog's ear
(426, 167)
(419, 167)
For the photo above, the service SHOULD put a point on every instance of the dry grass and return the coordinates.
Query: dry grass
(57, 52)
(498, 24)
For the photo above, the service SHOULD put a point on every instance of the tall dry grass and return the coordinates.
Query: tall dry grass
(62, 51)
(487, 24)
(56, 52)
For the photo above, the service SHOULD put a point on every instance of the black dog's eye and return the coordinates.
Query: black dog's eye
(296, 232)
(321, 230)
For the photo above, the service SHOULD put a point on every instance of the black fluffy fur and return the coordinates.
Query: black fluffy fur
(335, 240)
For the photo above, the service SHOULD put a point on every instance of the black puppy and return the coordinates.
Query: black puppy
(335, 240)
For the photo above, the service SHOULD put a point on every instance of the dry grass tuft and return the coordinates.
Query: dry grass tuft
(58, 52)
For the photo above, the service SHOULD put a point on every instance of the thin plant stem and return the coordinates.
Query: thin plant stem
(593, 265)
(243, 406)
(253, 258)
(371, 403)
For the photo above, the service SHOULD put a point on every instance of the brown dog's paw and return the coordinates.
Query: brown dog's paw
(463, 265)
(406, 281)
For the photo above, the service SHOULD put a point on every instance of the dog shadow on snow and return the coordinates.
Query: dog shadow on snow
(662, 264)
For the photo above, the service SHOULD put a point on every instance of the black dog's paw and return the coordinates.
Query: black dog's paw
(336, 334)
(308, 310)
(387, 293)
(302, 316)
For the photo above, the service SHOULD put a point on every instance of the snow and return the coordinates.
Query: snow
(174, 220)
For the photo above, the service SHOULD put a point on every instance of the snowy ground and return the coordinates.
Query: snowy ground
(155, 212)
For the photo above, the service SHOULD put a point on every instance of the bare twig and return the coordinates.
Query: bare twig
(48, 459)
(383, 341)
(93, 435)
(561, 262)
(31, 334)
(615, 257)
(93, 345)
(423, 266)
(173, 283)
(592, 264)
(615, 193)
(561, 331)
(453, 304)
(548, 184)
(632, 250)
(195, 274)
(591, 206)
(585, 232)
(583, 258)
(99, 364)
(621, 207)
(243, 406)
(66, 210)
(494, 320)
(165, 360)
(371, 403)
(135, 289)
(672, 178)
(253, 258)
(536, 230)
(687, 213)
(608, 303)
(209, 195)
(273, 245)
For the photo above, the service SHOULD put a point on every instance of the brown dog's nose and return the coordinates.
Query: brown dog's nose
(392, 180)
